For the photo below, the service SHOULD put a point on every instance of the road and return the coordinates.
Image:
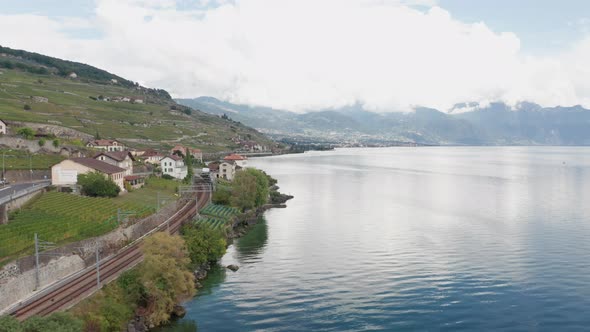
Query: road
(73, 289)
(11, 189)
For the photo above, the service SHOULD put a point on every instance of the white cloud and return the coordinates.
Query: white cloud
(307, 54)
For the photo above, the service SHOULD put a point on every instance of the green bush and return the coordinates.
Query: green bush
(27, 107)
(96, 185)
(9, 324)
(249, 189)
(204, 243)
(42, 142)
(167, 177)
(58, 322)
(55, 143)
(26, 132)
(222, 195)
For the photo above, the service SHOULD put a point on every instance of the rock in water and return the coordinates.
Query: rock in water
(233, 267)
(179, 311)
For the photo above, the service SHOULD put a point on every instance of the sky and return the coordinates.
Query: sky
(300, 55)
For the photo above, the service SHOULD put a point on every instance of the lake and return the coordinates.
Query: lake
(429, 238)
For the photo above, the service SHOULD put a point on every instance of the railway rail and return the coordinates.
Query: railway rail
(75, 288)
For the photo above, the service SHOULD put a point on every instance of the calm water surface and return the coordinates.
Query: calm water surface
(412, 239)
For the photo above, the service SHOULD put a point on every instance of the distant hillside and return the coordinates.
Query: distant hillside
(96, 101)
(497, 124)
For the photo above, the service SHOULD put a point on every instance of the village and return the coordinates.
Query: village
(129, 167)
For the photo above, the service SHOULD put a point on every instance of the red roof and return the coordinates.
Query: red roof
(98, 165)
(234, 156)
(132, 177)
(116, 155)
(214, 166)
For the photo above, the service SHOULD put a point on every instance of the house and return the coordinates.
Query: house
(126, 99)
(65, 173)
(39, 99)
(174, 166)
(195, 153)
(239, 160)
(228, 169)
(213, 169)
(137, 101)
(152, 156)
(253, 146)
(106, 144)
(3, 127)
(134, 181)
(73, 75)
(123, 159)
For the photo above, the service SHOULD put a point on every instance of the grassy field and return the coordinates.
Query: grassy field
(19, 159)
(216, 216)
(141, 125)
(62, 218)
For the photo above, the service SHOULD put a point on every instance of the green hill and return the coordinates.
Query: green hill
(87, 103)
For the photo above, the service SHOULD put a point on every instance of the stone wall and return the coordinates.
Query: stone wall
(15, 204)
(21, 285)
(30, 145)
(56, 130)
(18, 176)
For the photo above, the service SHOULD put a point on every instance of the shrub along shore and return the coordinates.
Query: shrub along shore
(149, 294)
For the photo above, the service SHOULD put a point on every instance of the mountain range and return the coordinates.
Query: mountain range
(494, 124)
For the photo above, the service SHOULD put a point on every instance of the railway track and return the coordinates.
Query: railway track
(70, 291)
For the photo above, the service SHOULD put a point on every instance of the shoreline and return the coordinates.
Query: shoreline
(241, 225)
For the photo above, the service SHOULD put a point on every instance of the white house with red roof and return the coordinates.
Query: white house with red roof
(237, 159)
(123, 159)
(174, 166)
(106, 144)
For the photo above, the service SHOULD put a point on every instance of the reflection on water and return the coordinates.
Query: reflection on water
(413, 239)
(251, 245)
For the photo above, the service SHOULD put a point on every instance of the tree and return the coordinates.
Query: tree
(261, 185)
(165, 275)
(27, 107)
(244, 191)
(222, 195)
(26, 132)
(204, 243)
(42, 142)
(190, 172)
(55, 143)
(97, 185)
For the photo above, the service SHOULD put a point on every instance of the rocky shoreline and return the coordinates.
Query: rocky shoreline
(240, 227)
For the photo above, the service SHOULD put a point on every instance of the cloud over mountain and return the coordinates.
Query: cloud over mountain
(300, 55)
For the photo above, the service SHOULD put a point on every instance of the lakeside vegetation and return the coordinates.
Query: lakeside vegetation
(152, 289)
(149, 293)
(63, 218)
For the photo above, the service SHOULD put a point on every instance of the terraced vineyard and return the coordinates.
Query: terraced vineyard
(63, 218)
(216, 216)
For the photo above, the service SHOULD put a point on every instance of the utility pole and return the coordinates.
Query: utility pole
(157, 201)
(36, 261)
(97, 267)
(31, 166)
(40, 244)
